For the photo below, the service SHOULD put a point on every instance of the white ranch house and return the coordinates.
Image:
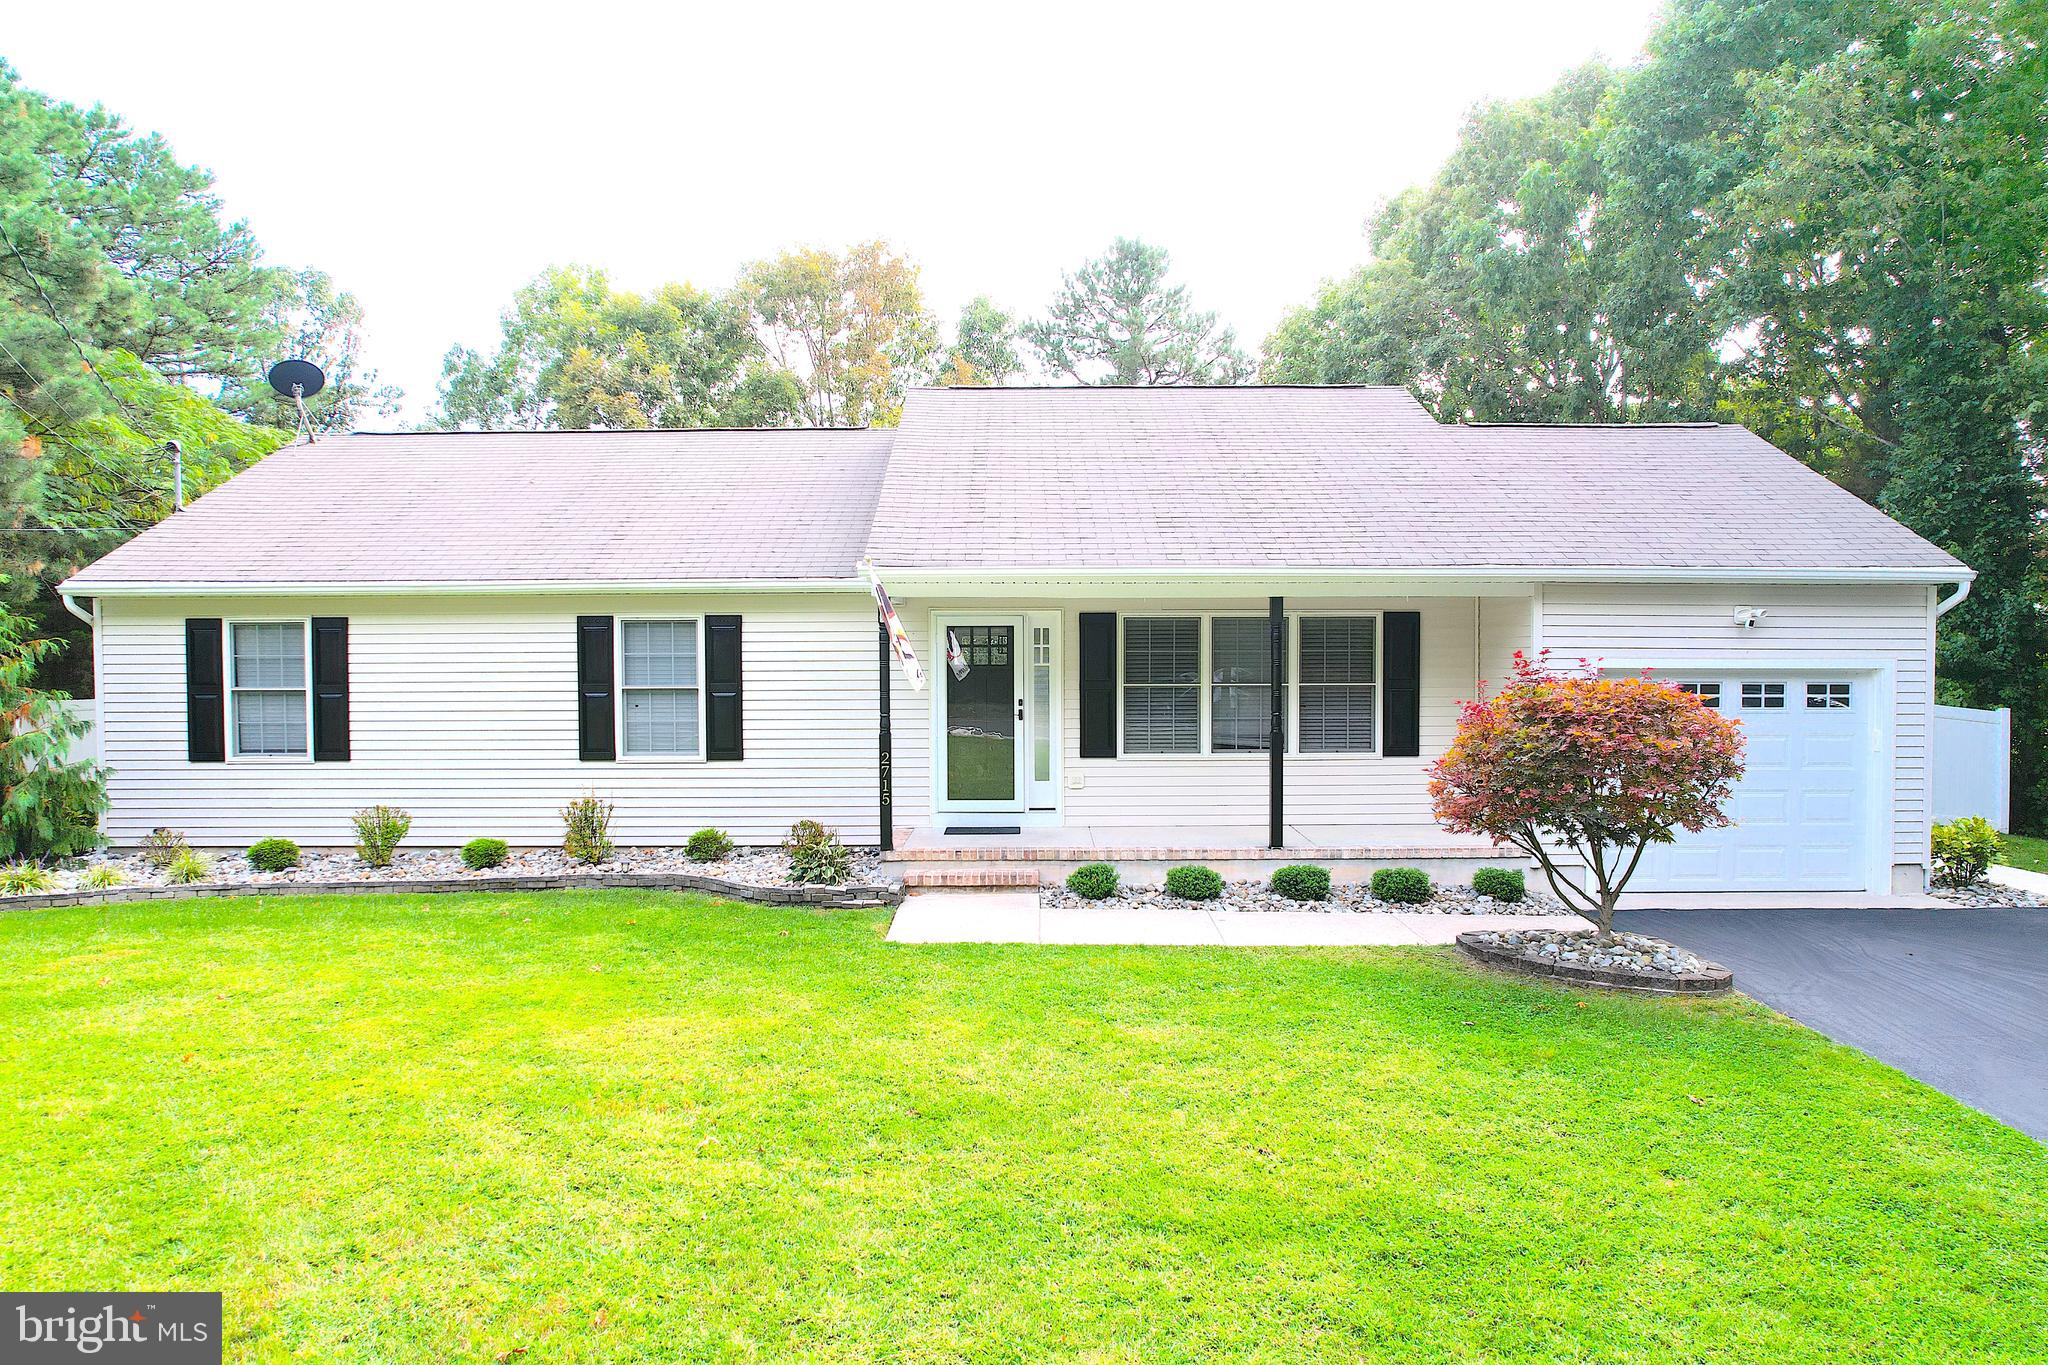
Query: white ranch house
(478, 627)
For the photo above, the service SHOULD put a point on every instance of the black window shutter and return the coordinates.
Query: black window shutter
(594, 716)
(726, 742)
(1098, 684)
(206, 729)
(1403, 674)
(330, 689)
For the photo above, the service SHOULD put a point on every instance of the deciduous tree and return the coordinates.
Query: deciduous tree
(1600, 768)
(851, 328)
(984, 349)
(575, 354)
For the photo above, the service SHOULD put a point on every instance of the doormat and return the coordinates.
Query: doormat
(983, 829)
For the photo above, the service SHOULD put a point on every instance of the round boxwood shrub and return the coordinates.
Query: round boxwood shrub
(273, 855)
(1499, 883)
(708, 845)
(1093, 881)
(1194, 883)
(1402, 885)
(479, 854)
(1302, 882)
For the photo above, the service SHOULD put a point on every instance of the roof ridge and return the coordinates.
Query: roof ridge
(1602, 426)
(603, 431)
(1146, 388)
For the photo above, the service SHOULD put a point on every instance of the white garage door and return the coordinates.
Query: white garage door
(1802, 807)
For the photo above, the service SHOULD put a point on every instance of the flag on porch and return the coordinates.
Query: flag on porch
(899, 638)
(956, 657)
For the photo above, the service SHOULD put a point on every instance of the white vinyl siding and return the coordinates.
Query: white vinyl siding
(1841, 626)
(463, 711)
(267, 700)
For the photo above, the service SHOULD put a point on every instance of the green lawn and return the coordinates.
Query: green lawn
(624, 1127)
(2024, 850)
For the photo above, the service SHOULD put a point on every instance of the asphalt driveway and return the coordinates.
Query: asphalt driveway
(1955, 998)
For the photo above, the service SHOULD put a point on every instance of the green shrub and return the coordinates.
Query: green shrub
(378, 832)
(1302, 882)
(20, 879)
(50, 802)
(1500, 883)
(1093, 881)
(100, 876)
(1963, 849)
(1402, 885)
(273, 855)
(479, 854)
(815, 855)
(708, 845)
(1194, 883)
(189, 867)
(161, 847)
(586, 829)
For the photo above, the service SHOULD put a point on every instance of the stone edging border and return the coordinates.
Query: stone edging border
(830, 897)
(1715, 980)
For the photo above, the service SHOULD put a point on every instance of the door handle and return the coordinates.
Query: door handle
(1020, 708)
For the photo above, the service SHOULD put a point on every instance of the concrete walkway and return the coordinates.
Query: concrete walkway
(1015, 917)
(2036, 882)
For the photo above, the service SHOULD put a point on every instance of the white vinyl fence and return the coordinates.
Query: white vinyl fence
(1972, 764)
(87, 745)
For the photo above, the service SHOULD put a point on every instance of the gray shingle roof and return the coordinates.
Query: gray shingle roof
(1346, 478)
(485, 508)
(1034, 479)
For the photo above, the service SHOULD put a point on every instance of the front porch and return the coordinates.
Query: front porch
(930, 855)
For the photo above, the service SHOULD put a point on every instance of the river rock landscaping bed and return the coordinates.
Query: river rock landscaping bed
(1623, 962)
(1345, 898)
(1989, 896)
(767, 869)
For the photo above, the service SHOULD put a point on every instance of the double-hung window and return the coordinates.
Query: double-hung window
(267, 683)
(660, 697)
(1162, 691)
(1339, 684)
(1241, 685)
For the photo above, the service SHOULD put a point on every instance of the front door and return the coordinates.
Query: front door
(983, 764)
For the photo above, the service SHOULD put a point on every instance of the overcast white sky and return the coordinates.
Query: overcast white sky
(432, 158)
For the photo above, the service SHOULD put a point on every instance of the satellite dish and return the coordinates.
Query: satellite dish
(297, 378)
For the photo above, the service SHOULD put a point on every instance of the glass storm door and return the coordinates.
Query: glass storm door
(984, 717)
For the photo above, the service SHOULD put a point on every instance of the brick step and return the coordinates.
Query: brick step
(993, 878)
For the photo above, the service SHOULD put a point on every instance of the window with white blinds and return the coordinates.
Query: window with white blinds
(1338, 685)
(1162, 685)
(658, 689)
(1241, 685)
(267, 675)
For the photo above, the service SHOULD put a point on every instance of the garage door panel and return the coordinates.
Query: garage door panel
(1829, 809)
(1759, 808)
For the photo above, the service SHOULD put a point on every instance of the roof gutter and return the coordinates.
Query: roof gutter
(1492, 573)
(418, 589)
(1176, 573)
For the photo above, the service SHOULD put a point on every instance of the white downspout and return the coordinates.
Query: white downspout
(1953, 600)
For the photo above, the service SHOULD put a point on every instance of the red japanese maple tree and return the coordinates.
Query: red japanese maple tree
(1600, 767)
